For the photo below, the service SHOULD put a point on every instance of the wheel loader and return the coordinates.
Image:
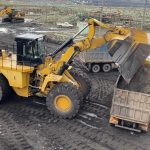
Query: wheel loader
(12, 15)
(29, 71)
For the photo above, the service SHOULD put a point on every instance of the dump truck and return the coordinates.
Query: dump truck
(97, 60)
(12, 15)
(131, 103)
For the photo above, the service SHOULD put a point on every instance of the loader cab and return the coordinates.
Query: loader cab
(30, 49)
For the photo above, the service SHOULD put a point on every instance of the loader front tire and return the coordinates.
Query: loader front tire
(83, 81)
(64, 100)
(5, 89)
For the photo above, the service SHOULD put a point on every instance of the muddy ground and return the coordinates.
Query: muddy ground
(26, 124)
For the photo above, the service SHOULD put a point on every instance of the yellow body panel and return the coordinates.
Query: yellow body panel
(22, 91)
(16, 78)
(17, 75)
(49, 79)
(10, 63)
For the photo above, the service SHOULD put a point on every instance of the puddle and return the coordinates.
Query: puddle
(39, 103)
(48, 31)
(52, 28)
(43, 31)
(103, 106)
(90, 114)
(27, 29)
(3, 30)
(84, 123)
(83, 116)
(27, 20)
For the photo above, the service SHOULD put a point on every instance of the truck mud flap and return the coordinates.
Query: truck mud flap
(129, 57)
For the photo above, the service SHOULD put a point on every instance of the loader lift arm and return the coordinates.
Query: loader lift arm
(89, 42)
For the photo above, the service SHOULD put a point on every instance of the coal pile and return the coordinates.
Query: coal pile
(139, 83)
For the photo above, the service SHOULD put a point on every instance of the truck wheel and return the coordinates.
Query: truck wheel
(5, 89)
(83, 80)
(95, 68)
(106, 67)
(64, 100)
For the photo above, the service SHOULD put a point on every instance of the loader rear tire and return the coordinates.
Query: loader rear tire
(83, 80)
(64, 100)
(5, 89)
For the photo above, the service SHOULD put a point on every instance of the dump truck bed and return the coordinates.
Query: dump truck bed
(96, 55)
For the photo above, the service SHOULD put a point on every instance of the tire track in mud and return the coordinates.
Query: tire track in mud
(70, 140)
(92, 128)
(58, 132)
(10, 137)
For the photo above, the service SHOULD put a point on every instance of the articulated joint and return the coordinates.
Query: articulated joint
(77, 49)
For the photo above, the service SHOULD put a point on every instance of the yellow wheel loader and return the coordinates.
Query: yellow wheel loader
(12, 15)
(29, 71)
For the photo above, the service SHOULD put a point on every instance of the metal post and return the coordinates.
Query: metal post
(144, 13)
(46, 15)
(102, 6)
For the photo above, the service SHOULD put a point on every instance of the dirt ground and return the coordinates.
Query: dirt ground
(26, 124)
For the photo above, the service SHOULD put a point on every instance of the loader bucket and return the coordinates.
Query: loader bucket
(129, 57)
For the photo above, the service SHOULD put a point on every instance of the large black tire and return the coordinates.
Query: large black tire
(68, 90)
(5, 89)
(83, 80)
(7, 19)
